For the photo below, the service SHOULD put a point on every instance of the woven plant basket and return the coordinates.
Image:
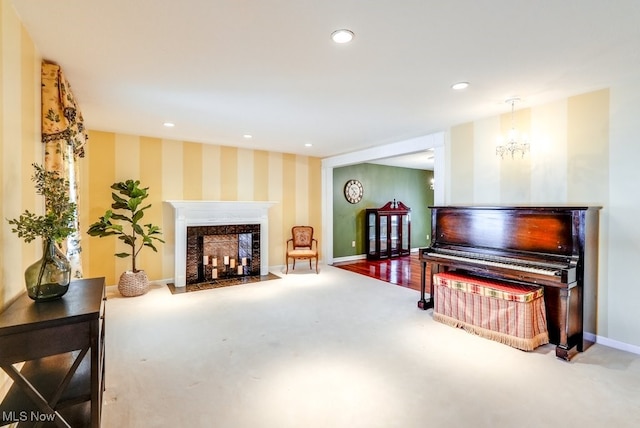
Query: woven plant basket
(133, 283)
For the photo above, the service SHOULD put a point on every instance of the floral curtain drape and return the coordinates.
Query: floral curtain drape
(64, 137)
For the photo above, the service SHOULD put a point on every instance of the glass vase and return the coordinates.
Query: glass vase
(49, 277)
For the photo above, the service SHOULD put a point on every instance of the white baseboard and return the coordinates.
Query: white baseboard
(605, 341)
(361, 257)
(350, 258)
(277, 268)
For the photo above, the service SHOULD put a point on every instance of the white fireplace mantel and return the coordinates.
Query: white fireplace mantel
(217, 213)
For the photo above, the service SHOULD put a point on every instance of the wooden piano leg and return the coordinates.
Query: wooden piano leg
(564, 353)
(570, 323)
(423, 303)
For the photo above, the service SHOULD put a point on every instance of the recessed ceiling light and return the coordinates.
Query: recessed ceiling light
(308, 144)
(460, 85)
(342, 36)
(169, 124)
(247, 136)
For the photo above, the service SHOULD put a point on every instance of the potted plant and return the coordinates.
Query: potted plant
(49, 277)
(128, 201)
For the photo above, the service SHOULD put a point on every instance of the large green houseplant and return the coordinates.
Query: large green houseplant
(128, 210)
(49, 277)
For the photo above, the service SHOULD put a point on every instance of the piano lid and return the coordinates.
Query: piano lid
(545, 230)
(519, 207)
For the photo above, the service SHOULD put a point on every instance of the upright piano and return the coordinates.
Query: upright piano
(553, 247)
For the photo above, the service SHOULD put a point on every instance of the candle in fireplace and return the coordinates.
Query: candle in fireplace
(244, 261)
(205, 260)
(214, 273)
(239, 270)
(214, 261)
(232, 263)
(226, 260)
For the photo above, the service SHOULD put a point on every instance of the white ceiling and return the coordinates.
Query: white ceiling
(221, 69)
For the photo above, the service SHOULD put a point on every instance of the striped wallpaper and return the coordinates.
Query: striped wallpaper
(568, 162)
(177, 170)
(19, 146)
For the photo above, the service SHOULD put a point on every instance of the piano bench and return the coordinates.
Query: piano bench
(513, 314)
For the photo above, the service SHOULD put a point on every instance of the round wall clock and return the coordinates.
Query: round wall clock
(353, 191)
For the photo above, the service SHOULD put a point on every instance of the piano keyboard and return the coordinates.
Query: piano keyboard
(502, 262)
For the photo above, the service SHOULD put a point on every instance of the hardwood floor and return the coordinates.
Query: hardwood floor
(403, 271)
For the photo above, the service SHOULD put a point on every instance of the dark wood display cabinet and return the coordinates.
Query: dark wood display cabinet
(54, 354)
(388, 231)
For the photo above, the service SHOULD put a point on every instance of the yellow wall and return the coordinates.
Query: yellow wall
(19, 146)
(568, 162)
(177, 170)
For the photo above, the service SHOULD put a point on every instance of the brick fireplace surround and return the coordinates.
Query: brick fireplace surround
(216, 213)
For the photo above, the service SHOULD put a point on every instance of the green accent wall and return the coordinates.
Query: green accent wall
(381, 185)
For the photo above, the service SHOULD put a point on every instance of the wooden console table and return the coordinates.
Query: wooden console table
(62, 346)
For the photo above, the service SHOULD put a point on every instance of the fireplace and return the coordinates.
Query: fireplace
(209, 228)
(218, 252)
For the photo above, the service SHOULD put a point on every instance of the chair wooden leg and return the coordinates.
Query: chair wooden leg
(294, 264)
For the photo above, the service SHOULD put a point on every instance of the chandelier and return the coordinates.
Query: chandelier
(516, 144)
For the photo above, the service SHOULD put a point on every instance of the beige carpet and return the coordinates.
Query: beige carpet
(340, 350)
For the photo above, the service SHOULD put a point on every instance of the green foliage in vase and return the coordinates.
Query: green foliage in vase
(136, 235)
(58, 220)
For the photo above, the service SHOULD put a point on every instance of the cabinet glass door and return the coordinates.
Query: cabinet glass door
(395, 238)
(383, 234)
(372, 233)
(405, 233)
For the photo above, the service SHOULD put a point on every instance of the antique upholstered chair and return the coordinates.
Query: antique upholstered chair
(302, 245)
